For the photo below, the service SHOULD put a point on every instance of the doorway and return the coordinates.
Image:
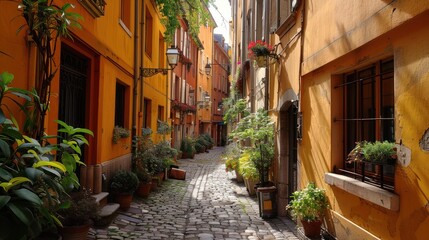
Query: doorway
(288, 154)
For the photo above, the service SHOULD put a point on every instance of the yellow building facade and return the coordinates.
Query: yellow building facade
(354, 71)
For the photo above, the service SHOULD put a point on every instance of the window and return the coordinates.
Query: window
(161, 51)
(147, 113)
(284, 15)
(125, 13)
(120, 105)
(148, 32)
(368, 114)
(160, 113)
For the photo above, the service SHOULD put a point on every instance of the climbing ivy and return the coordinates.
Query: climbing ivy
(194, 11)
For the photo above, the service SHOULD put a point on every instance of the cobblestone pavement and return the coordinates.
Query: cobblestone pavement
(208, 205)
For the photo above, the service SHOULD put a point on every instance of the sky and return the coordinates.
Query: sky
(222, 17)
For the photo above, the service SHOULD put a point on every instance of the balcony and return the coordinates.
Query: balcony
(94, 7)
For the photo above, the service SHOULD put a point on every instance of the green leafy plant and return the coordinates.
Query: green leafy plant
(45, 23)
(187, 146)
(124, 182)
(231, 156)
(309, 204)
(246, 166)
(34, 174)
(257, 129)
(375, 152)
(194, 11)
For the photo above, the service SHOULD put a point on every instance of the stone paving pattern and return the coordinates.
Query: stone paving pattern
(208, 205)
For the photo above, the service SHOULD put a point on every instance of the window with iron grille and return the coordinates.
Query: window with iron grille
(368, 115)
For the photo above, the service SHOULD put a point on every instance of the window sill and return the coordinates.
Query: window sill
(365, 191)
(122, 24)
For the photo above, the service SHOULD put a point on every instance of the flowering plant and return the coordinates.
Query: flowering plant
(183, 107)
(259, 48)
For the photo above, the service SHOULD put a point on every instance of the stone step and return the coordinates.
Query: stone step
(109, 209)
(106, 215)
(101, 198)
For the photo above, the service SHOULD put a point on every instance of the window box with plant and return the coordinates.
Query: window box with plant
(373, 156)
(309, 206)
(120, 132)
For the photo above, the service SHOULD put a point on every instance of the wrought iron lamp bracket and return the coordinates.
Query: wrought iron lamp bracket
(149, 72)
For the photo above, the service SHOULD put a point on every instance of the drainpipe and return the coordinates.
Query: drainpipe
(136, 76)
(243, 40)
(143, 40)
(267, 72)
(252, 75)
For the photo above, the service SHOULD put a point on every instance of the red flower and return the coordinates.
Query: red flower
(259, 48)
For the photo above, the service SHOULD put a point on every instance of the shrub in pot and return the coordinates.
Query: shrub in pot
(187, 146)
(309, 205)
(76, 214)
(123, 184)
(145, 181)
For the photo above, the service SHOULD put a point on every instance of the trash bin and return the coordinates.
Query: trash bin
(267, 199)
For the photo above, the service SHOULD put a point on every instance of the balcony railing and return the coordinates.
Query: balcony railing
(94, 7)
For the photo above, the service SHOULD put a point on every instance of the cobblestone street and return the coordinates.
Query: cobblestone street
(208, 205)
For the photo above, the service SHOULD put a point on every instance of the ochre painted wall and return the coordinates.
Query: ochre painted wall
(155, 87)
(350, 39)
(107, 44)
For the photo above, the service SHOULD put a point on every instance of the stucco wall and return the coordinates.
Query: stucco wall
(348, 40)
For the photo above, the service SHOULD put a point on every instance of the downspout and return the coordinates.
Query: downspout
(252, 75)
(267, 72)
(143, 41)
(136, 76)
(243, 38)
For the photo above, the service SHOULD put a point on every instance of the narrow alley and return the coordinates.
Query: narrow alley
(208, 205)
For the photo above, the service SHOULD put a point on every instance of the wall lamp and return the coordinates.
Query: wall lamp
(208, 67)
(206, 100)
(172, 59)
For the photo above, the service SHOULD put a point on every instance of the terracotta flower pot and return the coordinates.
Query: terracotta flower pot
(312, 229)
(144, 189)
(124, 200)
(74, 232)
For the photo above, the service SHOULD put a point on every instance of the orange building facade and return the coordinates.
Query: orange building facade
(220, 68)
(204, 81)
(98, 84)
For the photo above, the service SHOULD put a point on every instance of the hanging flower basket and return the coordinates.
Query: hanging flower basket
(261, 61)
(259, 48)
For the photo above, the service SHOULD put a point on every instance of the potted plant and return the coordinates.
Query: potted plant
(249, 172)
(123, 184)
(187, 146)
(231, 157)
(373, 152)
(76, 214)
(259, 51)
(145, 181)
(309, 206)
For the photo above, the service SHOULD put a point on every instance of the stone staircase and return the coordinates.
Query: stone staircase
(107, 210)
